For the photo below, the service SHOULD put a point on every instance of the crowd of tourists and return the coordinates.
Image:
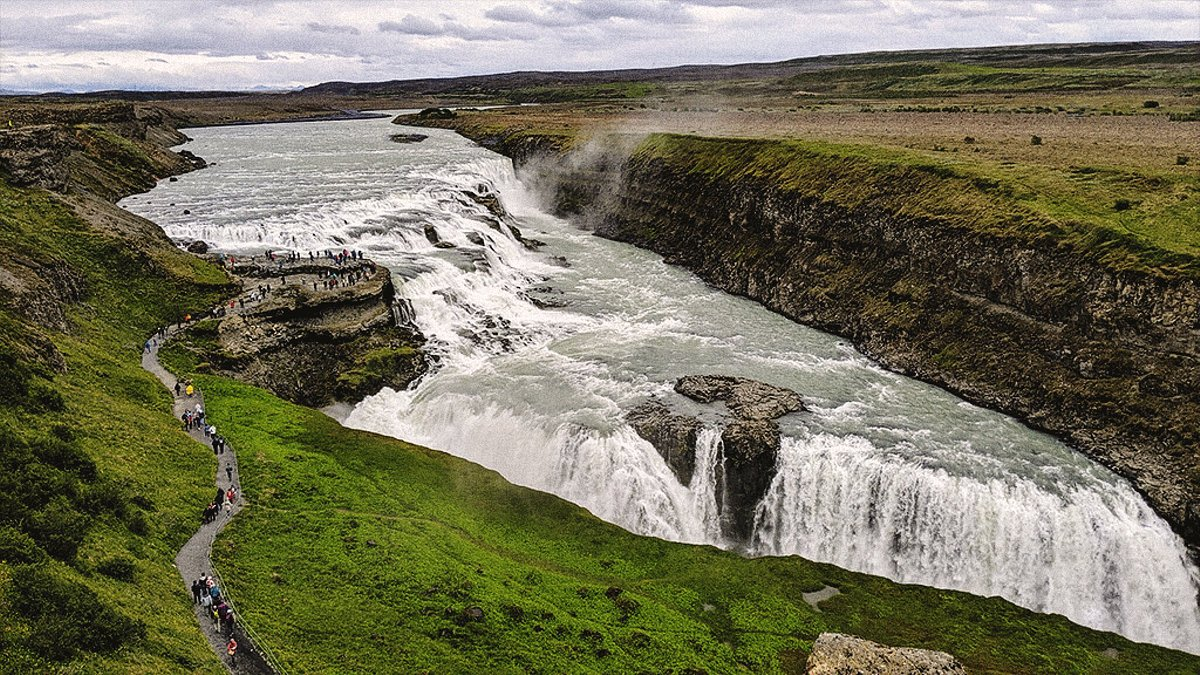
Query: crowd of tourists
(207, 594)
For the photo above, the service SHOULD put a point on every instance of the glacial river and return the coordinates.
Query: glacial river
(885, 474)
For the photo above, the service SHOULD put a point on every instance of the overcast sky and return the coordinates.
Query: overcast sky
(242, 44)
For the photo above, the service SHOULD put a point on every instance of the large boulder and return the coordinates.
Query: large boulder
(837, 654)
(745, 398)
(674, 436)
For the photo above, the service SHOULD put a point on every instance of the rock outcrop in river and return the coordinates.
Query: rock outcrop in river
(749, 440)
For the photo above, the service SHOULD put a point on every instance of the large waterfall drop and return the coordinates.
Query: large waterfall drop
(540, 353)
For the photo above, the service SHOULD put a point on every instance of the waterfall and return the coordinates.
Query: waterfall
(885, 475)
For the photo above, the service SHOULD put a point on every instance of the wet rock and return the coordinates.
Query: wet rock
(444, 244)
(407, 138)
(198, 247)
(837, 654)
(745, 473)
(314, 347)
(475, 238)
(746, 399)
(749, 441)
(431, 234)
(673, 436)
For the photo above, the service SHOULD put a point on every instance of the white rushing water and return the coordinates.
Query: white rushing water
(885, 475)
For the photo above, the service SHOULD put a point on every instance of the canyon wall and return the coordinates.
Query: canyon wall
(1107, 359)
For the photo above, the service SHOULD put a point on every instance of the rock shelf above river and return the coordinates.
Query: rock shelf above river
(311, 330)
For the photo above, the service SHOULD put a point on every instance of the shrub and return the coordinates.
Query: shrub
(59, 528)
(138, 523)
(17, 548)
(43, 397)
(66, 456)
(67, 617)
(969, 140)
(1122, 205)
(1035, 140)
(1182, 160)
(120, 568)
(1149, 104)
(106, 496)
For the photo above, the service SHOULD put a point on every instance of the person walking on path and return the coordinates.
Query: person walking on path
(195, 591)
(231, 650)
(229, 471)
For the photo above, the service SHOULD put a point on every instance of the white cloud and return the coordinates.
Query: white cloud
(239, 44)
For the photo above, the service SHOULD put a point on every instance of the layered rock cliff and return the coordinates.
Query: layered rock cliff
(307, 340)
(1105, 357)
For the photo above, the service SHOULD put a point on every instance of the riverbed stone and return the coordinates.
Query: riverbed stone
(838, 654)
(745, 398)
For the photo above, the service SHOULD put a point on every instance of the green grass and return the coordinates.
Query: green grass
(583, 92)
(119, 416)
(934, 78)
(360, 553)
(1074, 208)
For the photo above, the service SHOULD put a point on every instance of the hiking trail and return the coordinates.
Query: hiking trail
(195, 558)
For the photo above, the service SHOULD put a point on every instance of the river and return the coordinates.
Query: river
(885, 474)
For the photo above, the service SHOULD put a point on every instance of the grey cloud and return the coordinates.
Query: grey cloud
(562, 13)
(412, 25)
(423, 27)
(331, 28)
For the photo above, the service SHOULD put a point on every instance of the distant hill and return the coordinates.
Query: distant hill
(1139, 59)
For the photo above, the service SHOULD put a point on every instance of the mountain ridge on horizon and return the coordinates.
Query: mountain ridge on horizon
(1059, 54)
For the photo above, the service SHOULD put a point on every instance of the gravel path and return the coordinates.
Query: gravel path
(193, 559)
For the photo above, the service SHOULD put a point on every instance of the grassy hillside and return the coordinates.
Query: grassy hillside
(99, 487)
(360, 553)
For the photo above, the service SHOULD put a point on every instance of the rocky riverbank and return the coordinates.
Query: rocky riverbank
(1104, 357)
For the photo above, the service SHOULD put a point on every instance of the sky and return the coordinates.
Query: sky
(83, 45)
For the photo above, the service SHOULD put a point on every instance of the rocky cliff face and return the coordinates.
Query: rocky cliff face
(310, 344)
(1107, 360)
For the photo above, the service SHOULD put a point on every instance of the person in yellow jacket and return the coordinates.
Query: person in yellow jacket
(190, 390)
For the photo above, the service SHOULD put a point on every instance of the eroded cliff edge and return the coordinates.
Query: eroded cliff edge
(1077, 337)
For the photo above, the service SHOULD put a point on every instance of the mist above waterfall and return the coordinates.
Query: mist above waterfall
(884, 475)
